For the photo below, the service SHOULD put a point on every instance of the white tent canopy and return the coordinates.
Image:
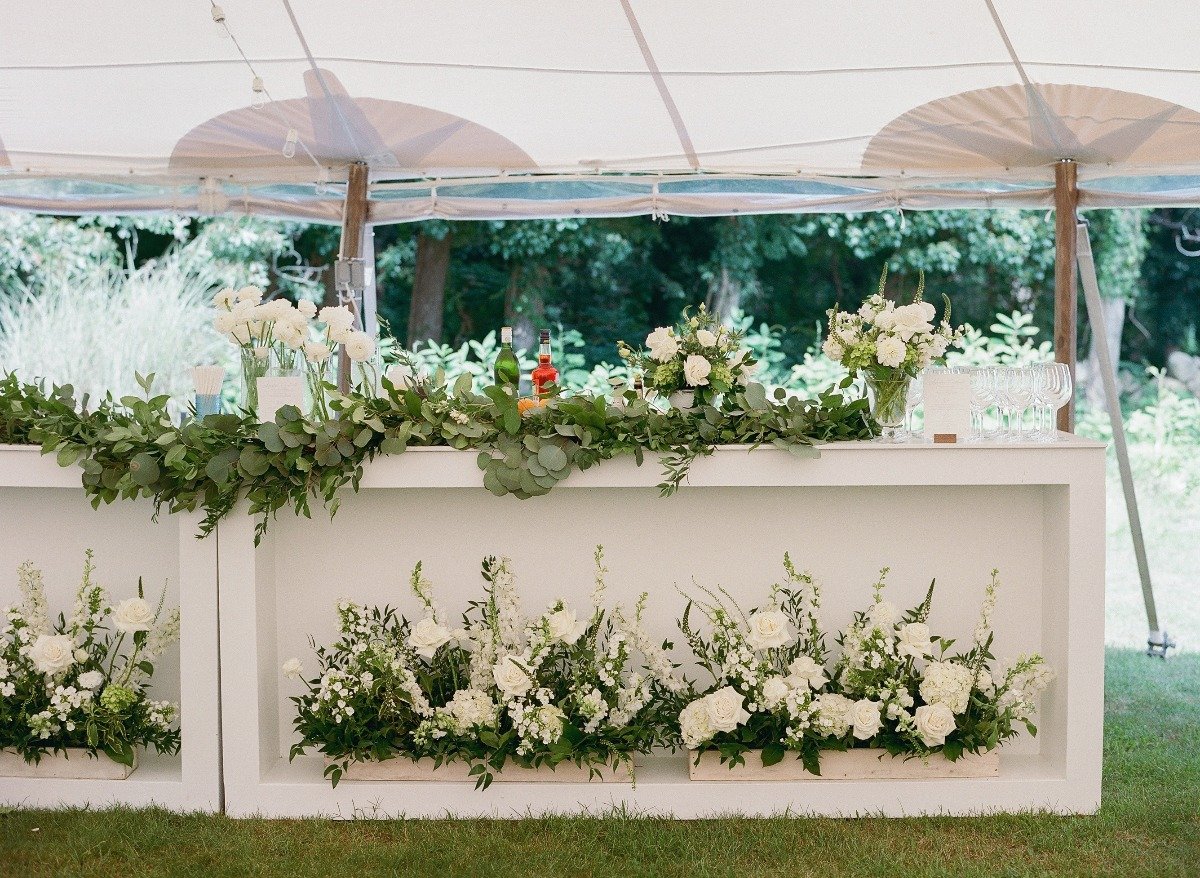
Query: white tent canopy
(500, 108)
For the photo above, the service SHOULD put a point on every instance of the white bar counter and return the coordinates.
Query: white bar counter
(1036, 512)
(46, 518)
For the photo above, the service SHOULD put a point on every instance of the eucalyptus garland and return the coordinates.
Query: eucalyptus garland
(131, 447)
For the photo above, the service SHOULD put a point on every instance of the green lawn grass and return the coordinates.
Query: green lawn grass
(1149, 826)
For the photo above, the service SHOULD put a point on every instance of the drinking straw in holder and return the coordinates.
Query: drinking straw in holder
(208, 381)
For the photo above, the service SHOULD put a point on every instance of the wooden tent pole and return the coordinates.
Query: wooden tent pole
(1066, 291)
(354, 222)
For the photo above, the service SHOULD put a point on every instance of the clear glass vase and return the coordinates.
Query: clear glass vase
(888, 393)
(256, 362)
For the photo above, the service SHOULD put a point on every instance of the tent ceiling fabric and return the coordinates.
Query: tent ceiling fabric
(479, 109)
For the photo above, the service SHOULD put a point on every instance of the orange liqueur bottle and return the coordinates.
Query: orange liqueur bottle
(545, 373)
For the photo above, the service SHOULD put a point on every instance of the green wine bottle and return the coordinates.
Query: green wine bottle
(507, 371)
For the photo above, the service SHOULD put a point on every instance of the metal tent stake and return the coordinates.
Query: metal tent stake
(1158, 642)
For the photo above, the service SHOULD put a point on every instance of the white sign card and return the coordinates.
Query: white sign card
(275, 393)
(947, 400)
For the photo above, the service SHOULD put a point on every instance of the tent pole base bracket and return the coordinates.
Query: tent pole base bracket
(1158, 643)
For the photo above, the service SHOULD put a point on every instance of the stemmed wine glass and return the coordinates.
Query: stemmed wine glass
(1014, 393)
(983, 397)
(1056, 392)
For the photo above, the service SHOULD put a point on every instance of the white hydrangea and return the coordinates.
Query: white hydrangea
(832, 717)
(471, 708)
(947, 683)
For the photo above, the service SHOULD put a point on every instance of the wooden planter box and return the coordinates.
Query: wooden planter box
(403, 769)
(76, 764)
(868, 763)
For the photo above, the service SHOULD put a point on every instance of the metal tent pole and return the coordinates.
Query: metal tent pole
(1157, 643)
(1066, 294)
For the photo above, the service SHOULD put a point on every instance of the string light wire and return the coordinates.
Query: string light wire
(292, 139)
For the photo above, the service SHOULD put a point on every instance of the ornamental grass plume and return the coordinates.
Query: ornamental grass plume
(97, 326)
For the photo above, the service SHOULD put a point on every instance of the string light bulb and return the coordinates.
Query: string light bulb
(322, 187)
(289, 145)
(258, 93)
(218, 17)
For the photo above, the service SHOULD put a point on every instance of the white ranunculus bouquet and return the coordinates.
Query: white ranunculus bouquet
(768, 669)
(883, 336)
(700, 355)
(591, 690)
(83, 681)
(926, 699)
(278, 333)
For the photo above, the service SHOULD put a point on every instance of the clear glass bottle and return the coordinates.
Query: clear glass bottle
(545, 373)
(507, 370)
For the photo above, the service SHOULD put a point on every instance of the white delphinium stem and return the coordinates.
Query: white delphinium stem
(33, 593)
(89, 603)
(600, 588)
(983, 629)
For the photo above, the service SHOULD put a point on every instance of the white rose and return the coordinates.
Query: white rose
(886, 318)
(307, 307)
(833, 350)
(774, 690)
(251, 294)
(336, 316)
(706, 338)
(510, 677)
(133, 615)
(360, 347)
(910, 320)
(293, 668)
(934, 723)
(315, 352)
(52, 653)
(804, 671)
(768, 629)
(914, 640)
(91, 679)
(694, 724)
(564, 626)
(865, 719)
(695, 370)
(427, 637)
(662, 344)
(937, 347)
(890, 352)
(725, 711)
